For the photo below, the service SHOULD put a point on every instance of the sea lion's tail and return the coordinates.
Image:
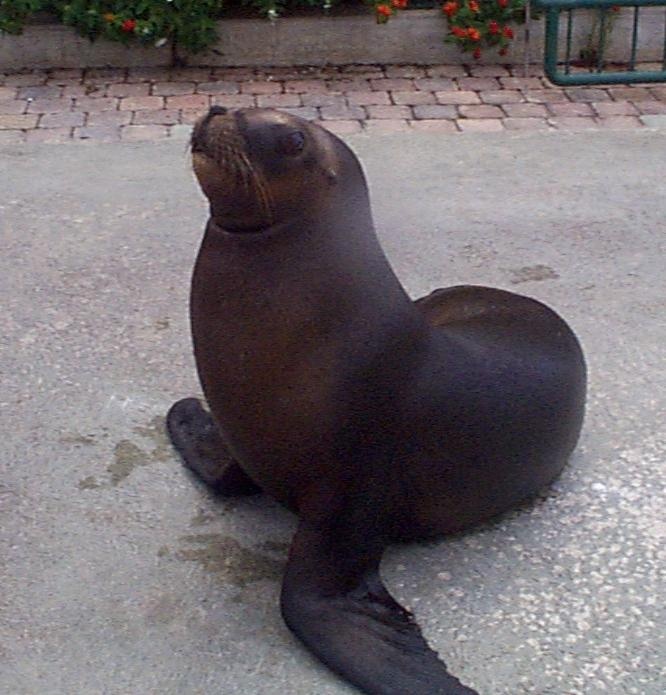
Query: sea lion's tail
(342, 612)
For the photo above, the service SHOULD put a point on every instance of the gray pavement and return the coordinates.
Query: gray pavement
(121, 576)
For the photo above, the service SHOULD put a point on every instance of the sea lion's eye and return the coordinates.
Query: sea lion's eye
(292, 143)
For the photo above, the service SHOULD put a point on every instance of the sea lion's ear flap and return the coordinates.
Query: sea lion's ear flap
(336, 603)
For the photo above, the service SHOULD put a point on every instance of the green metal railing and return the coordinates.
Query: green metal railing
(560, 72)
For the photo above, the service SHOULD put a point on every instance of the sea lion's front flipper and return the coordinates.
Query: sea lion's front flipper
(195, 436)
(333, 599)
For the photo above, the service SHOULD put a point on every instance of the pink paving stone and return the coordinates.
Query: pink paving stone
(277, 100)
(50, 105)
(127, 89)
(95, 105)
(481, 111)
(30, 79)
(234, 101)
(526, 110)
(659, 93)
(409, 71)
(426, 112)
(573, 123)
(66, 119)
(221, 87)
(75, 90)
(435, 84)
(308, 112)
(261, 87)
(387, 126)
(521, 83)
(587, 94)
(172, 89)
(389, 112)
(480, 125)
(324, 100)
(619, 122)
(526, 124)
(190, 101)
(489, 71)
(477, 84)
(14, 106)
(432, 125)
(7, 93)
(190, 116)
(446, 71)
(651, 108)
(52, 135)
(501, 96)
(630, 93)
(569, 109)
(343, 113)
(110, 118)
(40, 92)
(395, 85)
(413, 98)
(545, 96)
(17, 122)
(301, 86)
(367, 98)
(457, 97)
(159, 117)
(142, 103)
(97, 133)
(615, 108)
(342, 127)
(144, 132)
(12, 137)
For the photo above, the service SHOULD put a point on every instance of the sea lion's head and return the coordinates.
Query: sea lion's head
(260, 168)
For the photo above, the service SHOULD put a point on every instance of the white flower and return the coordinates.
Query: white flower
(272, 14)
(160, 42)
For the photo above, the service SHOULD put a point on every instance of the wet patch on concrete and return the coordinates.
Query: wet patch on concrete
(89, 483)
(533, 273)
(128, 456)
(228, 561)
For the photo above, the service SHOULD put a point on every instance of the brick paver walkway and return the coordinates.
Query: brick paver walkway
(154, 103)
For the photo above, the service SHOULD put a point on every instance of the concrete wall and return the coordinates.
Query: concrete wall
(412, 37)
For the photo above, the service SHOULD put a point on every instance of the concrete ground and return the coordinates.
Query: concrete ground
(122, 576)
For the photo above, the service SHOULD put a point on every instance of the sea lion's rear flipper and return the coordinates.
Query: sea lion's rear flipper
(333, 599)
(196, 438)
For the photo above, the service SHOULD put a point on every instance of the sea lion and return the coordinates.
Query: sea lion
(376, 418)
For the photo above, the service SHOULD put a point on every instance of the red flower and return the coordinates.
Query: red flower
(615, 8)
(128, 25)
(473, 5)
(508, 32)
(384, 10)
(493, 27)
(450, 8)
(473, 34)
(399, 4)
(477, 53)
(459, 32)
(502, 3)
